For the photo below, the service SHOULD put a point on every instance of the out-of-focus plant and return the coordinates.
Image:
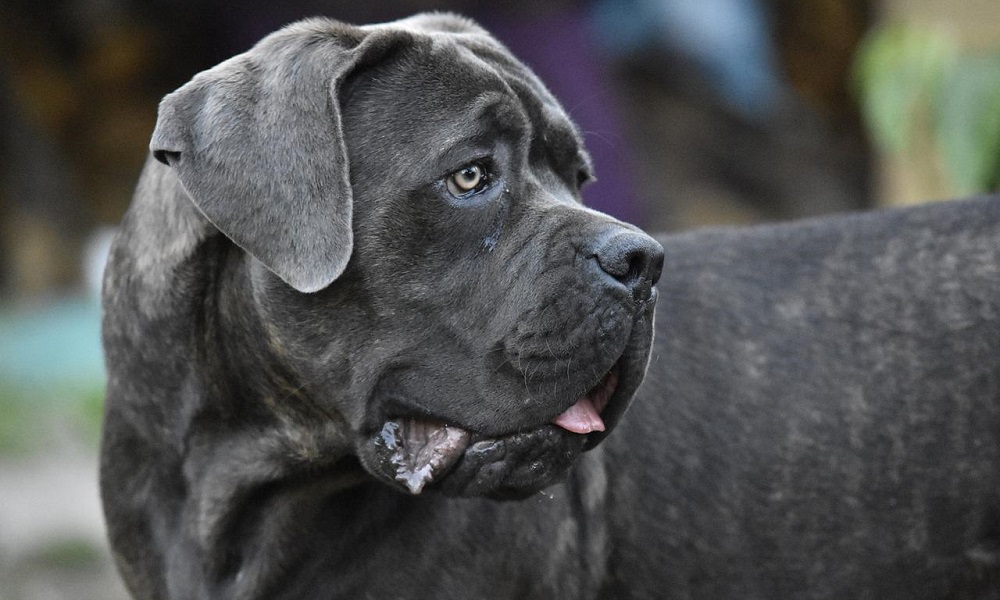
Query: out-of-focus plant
(912, 79)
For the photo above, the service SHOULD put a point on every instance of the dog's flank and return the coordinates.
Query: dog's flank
(826, 399)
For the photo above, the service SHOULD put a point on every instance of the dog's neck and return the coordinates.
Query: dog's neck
(250, 435)
(262, 434)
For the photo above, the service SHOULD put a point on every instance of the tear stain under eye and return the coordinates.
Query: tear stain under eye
(489, 242)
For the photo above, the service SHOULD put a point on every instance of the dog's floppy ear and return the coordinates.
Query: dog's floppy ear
(257, 143)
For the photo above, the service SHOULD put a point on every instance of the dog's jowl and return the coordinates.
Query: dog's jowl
(364, 342)
(356, 289)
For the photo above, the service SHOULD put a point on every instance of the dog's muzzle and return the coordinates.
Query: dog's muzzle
(412, 452)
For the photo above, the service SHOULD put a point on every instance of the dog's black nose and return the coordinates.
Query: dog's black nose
(632, 258)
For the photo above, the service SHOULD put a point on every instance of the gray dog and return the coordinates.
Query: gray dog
(356, 301)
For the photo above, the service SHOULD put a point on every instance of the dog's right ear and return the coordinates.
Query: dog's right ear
(257, 142)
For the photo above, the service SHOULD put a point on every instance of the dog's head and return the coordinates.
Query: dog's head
(407, 199)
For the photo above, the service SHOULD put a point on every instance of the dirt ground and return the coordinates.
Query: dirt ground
(52, 543)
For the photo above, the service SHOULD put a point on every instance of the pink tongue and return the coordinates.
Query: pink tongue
(582, 417)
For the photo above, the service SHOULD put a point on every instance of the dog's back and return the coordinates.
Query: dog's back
(821, 415)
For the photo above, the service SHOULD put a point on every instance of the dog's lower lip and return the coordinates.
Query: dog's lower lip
(421, 450)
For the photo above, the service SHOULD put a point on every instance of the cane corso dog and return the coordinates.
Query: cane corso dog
(364, 342)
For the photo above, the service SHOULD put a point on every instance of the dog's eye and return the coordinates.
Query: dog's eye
(469, 179)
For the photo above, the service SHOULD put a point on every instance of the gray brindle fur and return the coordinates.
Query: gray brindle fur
(332, 376)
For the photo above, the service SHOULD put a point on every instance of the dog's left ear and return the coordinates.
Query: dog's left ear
(257, 143)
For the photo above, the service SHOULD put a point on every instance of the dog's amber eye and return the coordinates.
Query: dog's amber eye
(467, 179)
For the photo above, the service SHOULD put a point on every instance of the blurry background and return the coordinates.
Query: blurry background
(697, 113)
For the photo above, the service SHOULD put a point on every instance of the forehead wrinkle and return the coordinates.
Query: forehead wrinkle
(540, 114)
(480, 106)
(468, 51)
(528, 87)
(545, 112)
(498, 83)
(554, 134)
(494, 99)
(545, 117)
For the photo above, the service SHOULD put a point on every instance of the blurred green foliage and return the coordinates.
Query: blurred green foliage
(35, 418)
(17, 419)
(911, 78)
(71, 553)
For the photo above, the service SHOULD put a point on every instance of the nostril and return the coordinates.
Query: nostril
(636, 265)
(632, 258)
(635, 278)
